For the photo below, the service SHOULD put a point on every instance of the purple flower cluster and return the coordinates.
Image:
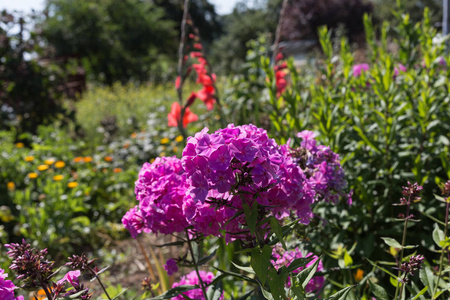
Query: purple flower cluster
(285, 258)
(322, 168)
(192, 279)
(165, 205)
(7, 288)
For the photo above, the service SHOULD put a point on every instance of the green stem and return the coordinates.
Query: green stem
(403, 244)
(443, 250)
(191, 250)
(99, 281)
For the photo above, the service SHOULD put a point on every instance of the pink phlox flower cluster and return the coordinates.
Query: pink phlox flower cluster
(192, 279)
(322, 168)
(241, 164)
(285, 258)
(359, 69)
(164, 204)
(7, 288)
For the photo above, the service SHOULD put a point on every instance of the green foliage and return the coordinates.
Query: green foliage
(117, 40)
(30, 91)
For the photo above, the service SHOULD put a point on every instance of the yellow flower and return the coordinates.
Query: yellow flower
(117, 170)
(72, 184)
(32, 175)
(42, 167)
(58, 177)
(162, 154)
(11, 186)
(179, 138)
(152, 160)
(175, 149)
(49, 161)
(87, 159)
(29, 158)
(60, 164)
(164, 141)
(77, 159)
(108, 158)
(20, 145)
(359, 275)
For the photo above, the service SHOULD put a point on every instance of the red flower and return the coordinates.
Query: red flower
(207, 95)
(177, 82)
(175, 115)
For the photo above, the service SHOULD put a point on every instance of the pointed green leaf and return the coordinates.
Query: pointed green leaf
(379, 292)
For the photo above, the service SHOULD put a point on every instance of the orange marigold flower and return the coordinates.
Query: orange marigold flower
(32, 175)
(11, 186)
(58, 177)
(40, 295)
(126, 145)
(60, 164)
(87, 159)
(78, 159)
(108, 158)
(359, 275)
(49, 161)
(29, 158)
(20, 145)
(117, 170)
(42, 167)
(134, 135)
(72, 184)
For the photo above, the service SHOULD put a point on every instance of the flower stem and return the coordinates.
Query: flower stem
(99, 281)
(443, 250)
(191, 250)
(405, 226)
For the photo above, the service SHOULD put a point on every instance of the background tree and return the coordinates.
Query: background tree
(118, 40)
(30, 90)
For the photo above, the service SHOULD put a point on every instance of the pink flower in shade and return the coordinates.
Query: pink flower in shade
(358, 69)
(71, 277)
(192, 279)
(400, 68)
(175, 115)
(171, 267)
(285, 258)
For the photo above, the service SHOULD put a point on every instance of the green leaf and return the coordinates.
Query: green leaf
(175, 292)
(392, 243)
(215, 291)
(297, 289)
(420, 293)
(379, 292)
(299, 262)
(278, 230)
(237, 275)
(348, 261)
(119, 294)
(251, 215)
(365, 139)
(342, 294)
(276, 281)
(438, 235)
(260, 262)
(205, 259)
(245, 269)
(246, 295)
(305, 275)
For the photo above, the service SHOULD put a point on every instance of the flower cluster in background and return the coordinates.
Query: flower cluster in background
(322, 168)
(283, 258)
